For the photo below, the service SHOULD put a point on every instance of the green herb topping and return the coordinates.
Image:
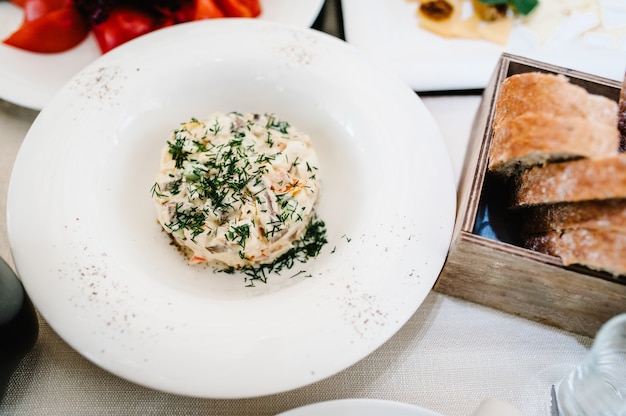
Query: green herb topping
(523, 7)
(240, 190)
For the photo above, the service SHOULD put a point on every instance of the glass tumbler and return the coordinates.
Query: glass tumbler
(597, 386)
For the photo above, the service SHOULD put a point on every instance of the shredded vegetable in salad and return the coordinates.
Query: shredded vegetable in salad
(237, 190)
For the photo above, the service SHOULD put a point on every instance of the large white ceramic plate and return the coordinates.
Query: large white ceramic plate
(359, 407)
(100, 270)
(388, 31)
(31, 79)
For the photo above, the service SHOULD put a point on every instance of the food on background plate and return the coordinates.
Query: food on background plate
(490, 20)
(600, 22)
(52, 26)
(491, 12)
(569, 189)
(239, 191)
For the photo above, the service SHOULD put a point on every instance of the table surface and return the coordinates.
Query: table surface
(448, 357)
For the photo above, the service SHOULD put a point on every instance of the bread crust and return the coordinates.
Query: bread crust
(540, 118)
(578, 180)
(539, 138)
(592, 215)
(559, 146)
(601, 250)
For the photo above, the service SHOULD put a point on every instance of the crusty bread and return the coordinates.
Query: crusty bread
(578, 180)
(540, 118)
(592, 215)
(540, 92)
(561, 146)
(539, 138)
(601, 250)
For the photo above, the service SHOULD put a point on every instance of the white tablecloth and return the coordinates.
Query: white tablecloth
(449, 356)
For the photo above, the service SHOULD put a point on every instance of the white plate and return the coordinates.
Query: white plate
(98, 267)
(359, 407)
(388, 31)
(31, 79)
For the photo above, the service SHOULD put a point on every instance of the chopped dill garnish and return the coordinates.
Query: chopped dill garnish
(278, 125)
(235, 180)
(176, 148)
(239, 234)
(156, 190)
(303, 249)
(190, 218)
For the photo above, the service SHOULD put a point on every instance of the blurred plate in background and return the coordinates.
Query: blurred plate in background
(31, 79)
(388, 31)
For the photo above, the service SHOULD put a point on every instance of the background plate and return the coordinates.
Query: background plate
(388, 32)
(359, 407)
(31, 79)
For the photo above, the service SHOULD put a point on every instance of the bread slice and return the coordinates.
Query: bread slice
(578, 180)
(553, 94)
(601, 250)
(539, 138)
(540, 118)
(591, 215)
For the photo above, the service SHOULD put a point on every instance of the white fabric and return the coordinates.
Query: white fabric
(448, 358)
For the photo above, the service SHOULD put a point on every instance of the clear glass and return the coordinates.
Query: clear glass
(597, 387)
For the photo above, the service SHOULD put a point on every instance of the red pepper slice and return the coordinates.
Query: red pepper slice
(56, 31)
(206, 9)
(193, 10)
(19, 3)
(240, 8)
(34, 9)
(124, 24)
(55, 25)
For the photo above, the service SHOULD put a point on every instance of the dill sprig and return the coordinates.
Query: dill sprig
(191, 218)
(307, 247)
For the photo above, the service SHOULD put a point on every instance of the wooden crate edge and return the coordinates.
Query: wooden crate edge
(539, 289)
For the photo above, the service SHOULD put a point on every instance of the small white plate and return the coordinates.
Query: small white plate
(85, 239)
(359, 407)
(31, 79)
(388, 31)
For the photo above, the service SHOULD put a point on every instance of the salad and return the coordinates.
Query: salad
(240, 190)
(53, 26)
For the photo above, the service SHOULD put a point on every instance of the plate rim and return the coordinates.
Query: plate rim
(382, 405)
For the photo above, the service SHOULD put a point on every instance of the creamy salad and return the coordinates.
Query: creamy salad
(236, 189)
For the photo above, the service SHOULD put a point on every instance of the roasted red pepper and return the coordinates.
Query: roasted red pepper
(55, 31)
(34, 9)
(18, 2)
(124, 24)
(194, 10)
(240, 8)
(57, 25)
(206, 9)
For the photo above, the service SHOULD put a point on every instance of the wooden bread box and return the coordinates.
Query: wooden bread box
(486, 269)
